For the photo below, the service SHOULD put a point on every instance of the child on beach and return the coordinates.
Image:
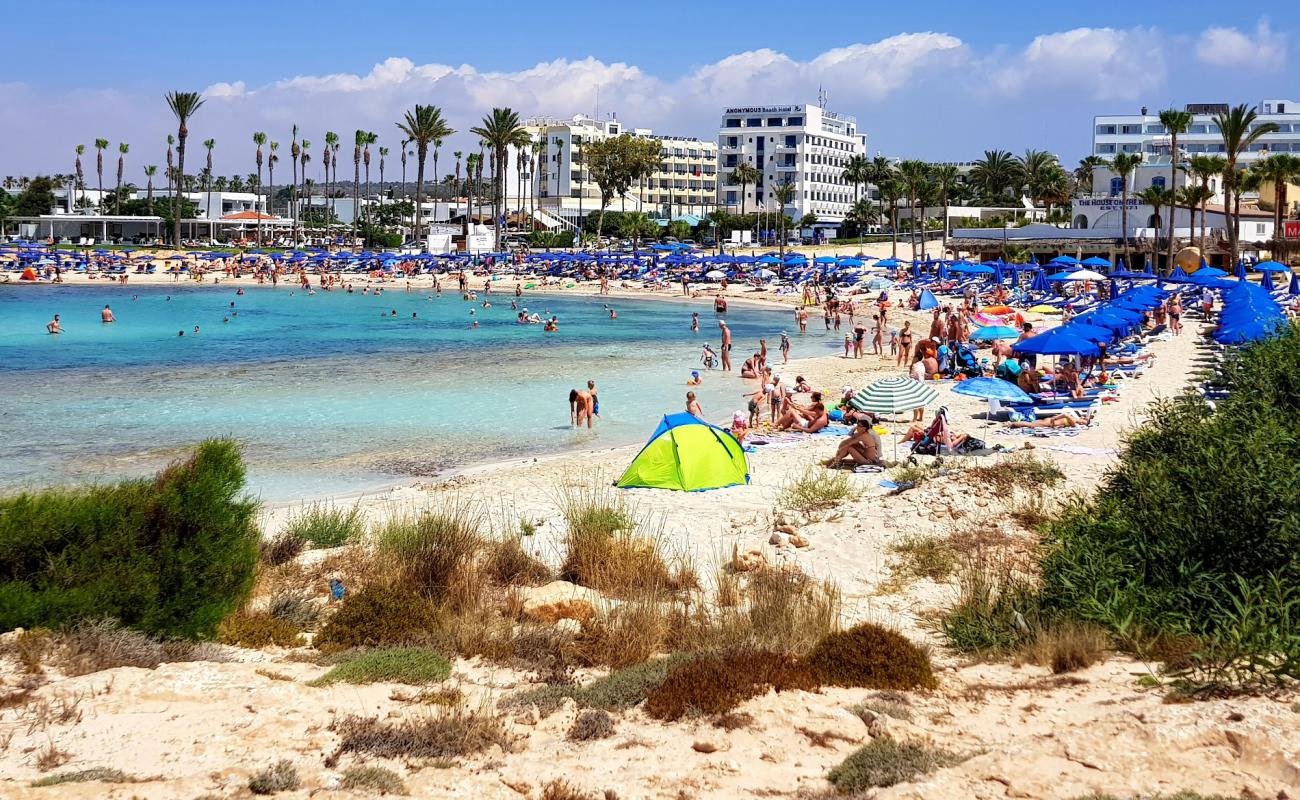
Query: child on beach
(848, 345)
(707, 357)
(785, 347)
(893, 342)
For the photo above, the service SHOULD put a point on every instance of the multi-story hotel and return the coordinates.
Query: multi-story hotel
(805, 145)
(1143, 133)
(685, 185)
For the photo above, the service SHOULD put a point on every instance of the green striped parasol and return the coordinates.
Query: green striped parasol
(893, 396)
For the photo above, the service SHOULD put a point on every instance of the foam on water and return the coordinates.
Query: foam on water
(330, 393)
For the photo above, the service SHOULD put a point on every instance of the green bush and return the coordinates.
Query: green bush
(281, 776)
(714, 684)
(172, 556)
(104, 774)
(816, 489)
(261, 629)
(618, 691)
(434, 549)
(413, 666)
(374, 779)
(443, 733)
(324, 525)
(870, 656)
(377, 616)
(1196, 530)
(885, 762)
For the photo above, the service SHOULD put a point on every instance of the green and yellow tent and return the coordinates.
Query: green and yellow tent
(688, 454)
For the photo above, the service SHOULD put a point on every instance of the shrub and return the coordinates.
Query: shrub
(816, 489)
(444, 733)
(324, 525)
(376, 616)
(258, 629)
(994, 609)
(889, 708)
(280, 549)
(870, 656)
(509, 563)
(373, 779)
(409, 665)
(172, 556)
(788, 611)
(1018, 470)
(1174, 545)
(432, 551)
(885, 762)
(104, 774)
(591, 724)
(925, 557)
(295, 609)
(1067, 646)
(563, 790)
(281, 776)
(621, 562)
(618, 691)
(715, 684)
(103, 644)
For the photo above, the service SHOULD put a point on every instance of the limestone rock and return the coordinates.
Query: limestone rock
(798, 541)
(775, 540)
(558, 600)
(748, 561)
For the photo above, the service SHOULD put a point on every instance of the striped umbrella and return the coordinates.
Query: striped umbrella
(894, 396)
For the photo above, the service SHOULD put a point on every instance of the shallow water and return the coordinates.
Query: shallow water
(331, 393)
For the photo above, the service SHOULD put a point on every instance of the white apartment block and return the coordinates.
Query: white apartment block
(802, 143)
(1143, 133)
(686, 183)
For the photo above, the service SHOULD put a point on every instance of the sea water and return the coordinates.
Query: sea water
(331, 393)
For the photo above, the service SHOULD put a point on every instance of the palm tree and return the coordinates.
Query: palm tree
(784, 193)
(81, 178)
(359, 139)
(455, 186)
(501, 130)
(891, 191)
(209, 144)
(304, 158)
(1083, 172)
(1189, 197)
(915, 174)
(371, 138)
(171, 196)
(271, 160)
(183, 105)
(405, 142)
(259, 139)
(437, 146)
(1279, 169)
(996, 173)
(1204, 168)
(1238, 130)
(423, 125)
(149, 172)
(945, 177)
(1123, 165)
(122, 149)
(882, 169)
(1158, 197)
(331, 145)
(1176, 123)
(100, 145)
(538, 159)
(742, 176)
(294, 152)
(1037, 170)
(857, 172)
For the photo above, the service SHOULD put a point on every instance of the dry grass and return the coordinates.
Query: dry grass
(1067, 647)
(51, 757)
(591, 724)
(446, 732)
(99, 645)
(825, 739)
(272, 675)
(733, 721)
(435, 552)
(890, 708)
(929, 557)
(281, 776)
(563, 790)
(103, 774)
(257, 629)
(376, 780)
(281, 549)
(1019, 470)
(816, 489)
(508, 563)
(885, 762)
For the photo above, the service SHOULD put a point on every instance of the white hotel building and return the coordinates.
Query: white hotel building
(804, 144)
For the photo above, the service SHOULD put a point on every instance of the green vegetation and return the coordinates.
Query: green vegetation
(379, 780)
(410, 665)
(281, 776)
(1018, 470)
(605, 550)
(816, 489)
(443, 733)
(433, 552)
(885, 762)
(591, 724)
(1196, 531)
(105, 774)
(889, 708)
(550, 239)
(620, 690)
(715, 684)
(377, 616)
(325, 525)
(995, 604)
(930, 557)
(171, 556)
(870, 656)
(258, 629)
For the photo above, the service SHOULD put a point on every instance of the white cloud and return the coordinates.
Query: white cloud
(1229, 47)
(1093, 63)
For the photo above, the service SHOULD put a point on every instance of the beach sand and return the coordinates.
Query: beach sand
(204, 727)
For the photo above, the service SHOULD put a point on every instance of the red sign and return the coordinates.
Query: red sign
(1292, 230)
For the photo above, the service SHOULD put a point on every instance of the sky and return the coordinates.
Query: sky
(945, 84)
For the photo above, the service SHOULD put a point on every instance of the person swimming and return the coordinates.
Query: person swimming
(54, 326)
(695, 379)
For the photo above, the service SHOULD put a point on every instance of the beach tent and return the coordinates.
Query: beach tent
(688, 454)
(928, 300)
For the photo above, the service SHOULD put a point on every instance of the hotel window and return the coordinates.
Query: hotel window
(795, 121)
(1106, 130)
(1159, 181)
(733, 123)
(754, 122)
(733, 141)
(1259, 229)
(790, 141)
(774, 122)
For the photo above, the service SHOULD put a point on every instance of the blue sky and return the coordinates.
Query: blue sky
(946, 84)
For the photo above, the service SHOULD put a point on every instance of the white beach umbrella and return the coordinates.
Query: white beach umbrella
(894, 396)
(1086, 275)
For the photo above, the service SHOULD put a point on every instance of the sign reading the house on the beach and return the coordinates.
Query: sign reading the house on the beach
(1106, 202)
(1292, 230)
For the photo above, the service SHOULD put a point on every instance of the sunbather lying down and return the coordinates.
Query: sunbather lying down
(1067, 419)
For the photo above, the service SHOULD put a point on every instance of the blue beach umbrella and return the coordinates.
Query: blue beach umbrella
(1057, 341)
(1092, 333)
(1067, 260)
(990, 332)
(1295, 285)
(1096, 261)
(992, 389)
(1266, 281)
(1272, 266)
(888, 262)
(1239, 273)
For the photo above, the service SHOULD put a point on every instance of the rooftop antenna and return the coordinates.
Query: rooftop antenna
(821, 97)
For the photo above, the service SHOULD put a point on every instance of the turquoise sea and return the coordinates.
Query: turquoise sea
(330, 393)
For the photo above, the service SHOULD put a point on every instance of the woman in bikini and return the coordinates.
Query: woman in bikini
(904, 342)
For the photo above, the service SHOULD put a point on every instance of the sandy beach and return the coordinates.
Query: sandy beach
(195, 728)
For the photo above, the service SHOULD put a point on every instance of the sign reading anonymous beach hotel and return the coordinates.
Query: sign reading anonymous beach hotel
(762, 109)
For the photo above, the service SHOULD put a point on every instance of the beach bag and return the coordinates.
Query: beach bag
(971, 445)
